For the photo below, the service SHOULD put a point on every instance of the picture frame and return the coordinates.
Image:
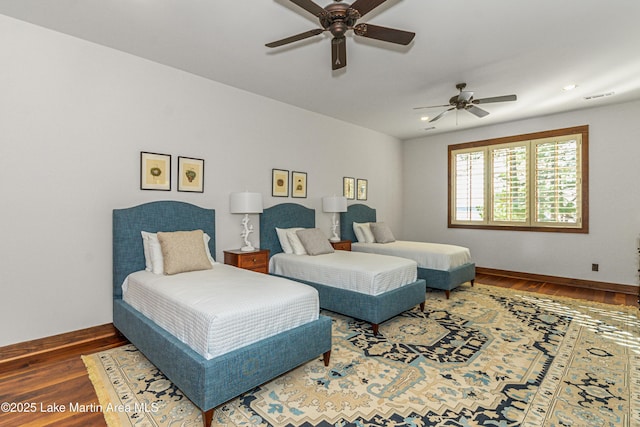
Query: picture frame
(155, 171)
(349, 187)
(298, 184)
(190, 174)
(279, 183)
(361, 192)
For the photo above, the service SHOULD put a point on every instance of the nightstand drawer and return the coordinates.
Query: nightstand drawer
(257, 260)
(341, 245)
(253, 260)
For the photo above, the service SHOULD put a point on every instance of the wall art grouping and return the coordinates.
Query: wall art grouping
(155, 173)
(354, 188)
(280, 183)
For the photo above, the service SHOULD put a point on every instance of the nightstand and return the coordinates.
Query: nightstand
(341, 245)
(257, 260)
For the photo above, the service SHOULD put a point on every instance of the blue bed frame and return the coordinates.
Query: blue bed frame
(207, 383)
(374, 309)
(445, 280)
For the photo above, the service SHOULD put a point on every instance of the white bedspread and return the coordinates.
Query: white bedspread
(365, 273)
(435, 256)
(219, 310)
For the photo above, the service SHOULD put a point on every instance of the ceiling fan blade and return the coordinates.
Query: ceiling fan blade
(295, 38)
(310, 7)
(464, 96)
(383, 33)
(441, 114)
(431, 106)
(495, 99)
(477, 111)
(338, 53)
(365, 6)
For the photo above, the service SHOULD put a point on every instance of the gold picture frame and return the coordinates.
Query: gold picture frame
(299, 184)
(190, 174)
(349, 187)
(361, 192)
(279, 183)
(155, 171)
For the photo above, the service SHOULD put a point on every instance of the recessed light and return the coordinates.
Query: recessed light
(424, 118)
(569, 87)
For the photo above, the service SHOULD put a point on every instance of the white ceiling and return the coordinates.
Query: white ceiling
(498, 47)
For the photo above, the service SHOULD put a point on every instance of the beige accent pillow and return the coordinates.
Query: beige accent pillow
(381, 232)
(314, 241)
(183, 251)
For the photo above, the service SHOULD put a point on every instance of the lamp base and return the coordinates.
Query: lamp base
(334, 239)
(247, 249)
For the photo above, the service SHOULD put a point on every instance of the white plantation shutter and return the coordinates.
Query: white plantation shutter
(469, 186)
(509, 187)
(557, 178)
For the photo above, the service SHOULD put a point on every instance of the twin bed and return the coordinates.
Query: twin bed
(373, 288)
(442, 266)
(246, 328)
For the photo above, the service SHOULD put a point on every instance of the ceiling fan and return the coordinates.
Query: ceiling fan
(338, 18)
(465, 101)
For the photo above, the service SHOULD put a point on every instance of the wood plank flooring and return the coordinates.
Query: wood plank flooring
(64, 380)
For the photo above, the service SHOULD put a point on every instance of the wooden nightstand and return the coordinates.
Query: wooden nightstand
(257, 260)
(341, 245)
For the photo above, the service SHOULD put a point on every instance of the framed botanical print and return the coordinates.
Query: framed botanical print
(348, 187)
(361, 189)
(298, 184)
(155, 171)
(279, 183)
(190, 174)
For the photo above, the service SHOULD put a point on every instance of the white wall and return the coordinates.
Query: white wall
(614, 201)
(74, 117)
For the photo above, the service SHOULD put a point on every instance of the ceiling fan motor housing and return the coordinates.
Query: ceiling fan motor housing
(338, 19)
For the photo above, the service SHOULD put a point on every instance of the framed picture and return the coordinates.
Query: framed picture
(362, 189)
(279, 183)
(155, 171)
(349, 187)
(298, 184)
(190, 174)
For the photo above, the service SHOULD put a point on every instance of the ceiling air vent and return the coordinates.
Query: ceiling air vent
(601, 95)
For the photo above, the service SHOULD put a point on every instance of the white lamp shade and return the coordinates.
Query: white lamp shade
(334, 204)
(245, 202)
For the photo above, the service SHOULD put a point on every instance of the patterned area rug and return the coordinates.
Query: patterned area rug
(486, 357)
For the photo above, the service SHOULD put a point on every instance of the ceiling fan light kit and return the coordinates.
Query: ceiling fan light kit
(338, 18)
(464, 100)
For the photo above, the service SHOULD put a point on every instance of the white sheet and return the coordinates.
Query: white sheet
(219, 310)
(365, 273)
(435, 256)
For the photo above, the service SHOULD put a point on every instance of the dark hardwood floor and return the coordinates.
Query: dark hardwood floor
(63, 380)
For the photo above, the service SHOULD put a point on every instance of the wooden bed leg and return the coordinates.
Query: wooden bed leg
(447, 293)
(326, 356)
(422, 306)
(207, 417)
(375, 329)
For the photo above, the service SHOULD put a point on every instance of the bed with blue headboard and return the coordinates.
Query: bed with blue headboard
(374, 309)
(445, 280)
(206, 382)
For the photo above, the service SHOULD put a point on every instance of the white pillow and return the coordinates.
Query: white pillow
(284, 240)
(154, 262)
(294, 241)
(363, 232)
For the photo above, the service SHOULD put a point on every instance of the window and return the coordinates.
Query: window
(533, 182)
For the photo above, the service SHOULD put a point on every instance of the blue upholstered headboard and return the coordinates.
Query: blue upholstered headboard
(128, 255)
(285, 215)
(355, 213)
